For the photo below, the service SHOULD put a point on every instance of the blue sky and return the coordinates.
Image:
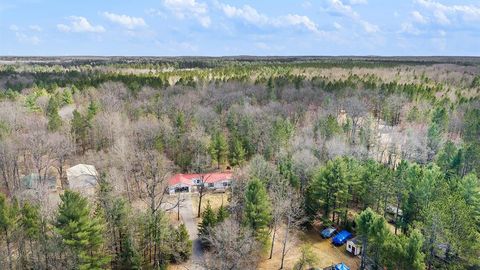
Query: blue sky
(227, 27)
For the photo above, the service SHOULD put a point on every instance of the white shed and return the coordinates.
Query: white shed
(354, 246)
(82, 178)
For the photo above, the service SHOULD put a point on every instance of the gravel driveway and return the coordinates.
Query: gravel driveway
(190, 220)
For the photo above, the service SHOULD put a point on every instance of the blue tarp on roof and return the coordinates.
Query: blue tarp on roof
(341, 237)
(341, 266)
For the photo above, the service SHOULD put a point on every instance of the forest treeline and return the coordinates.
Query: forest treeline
(315, 141)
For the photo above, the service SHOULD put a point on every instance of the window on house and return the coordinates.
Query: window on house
(210, 184)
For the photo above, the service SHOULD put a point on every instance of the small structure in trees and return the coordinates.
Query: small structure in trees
(83, 179)
(194, 182)
(354, 246)
(33, 181)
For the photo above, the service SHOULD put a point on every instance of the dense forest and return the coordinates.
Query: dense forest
(311, 142)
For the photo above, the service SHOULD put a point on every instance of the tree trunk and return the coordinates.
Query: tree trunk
(396, 215)
(178, 207)
(285, 241)
(273, 238)
(200, 194)
(9, 251)
(364, 253)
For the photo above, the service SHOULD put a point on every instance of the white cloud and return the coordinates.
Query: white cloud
(14, 28)
(250, 15)
(80, 24)
(369, 27)
(186, 8)
(307, 4)
(346, 10)
(125, 21)
(444, 14)
(337, 26)
(35, 28)
(247, 13)
(24, 38)
(409, 28)
(294, 19)
(418, 17)
(358, 2)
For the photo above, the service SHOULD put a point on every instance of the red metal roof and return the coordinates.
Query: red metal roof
(186, 179)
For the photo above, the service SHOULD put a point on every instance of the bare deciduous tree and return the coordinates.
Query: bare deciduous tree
(232, 247)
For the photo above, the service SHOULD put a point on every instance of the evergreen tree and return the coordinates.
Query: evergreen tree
(79, 129)
(30, 223)
(364, 223)
(54, 120)
(328, 189)
(257, 211)
(81, 231)
(128, 257)
(183, 244)
(92, 110)
(117, 216)
(219, 149)
(237, 152)
(67, 97)
(285, 167)
(8, 223)
(222, 214)
(209, 219)
(415, 258)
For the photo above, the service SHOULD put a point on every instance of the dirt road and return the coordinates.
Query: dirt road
(190, 220)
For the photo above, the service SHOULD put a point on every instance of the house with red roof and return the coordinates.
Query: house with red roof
(190, 182)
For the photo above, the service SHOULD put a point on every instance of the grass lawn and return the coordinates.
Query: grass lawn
(215, 199)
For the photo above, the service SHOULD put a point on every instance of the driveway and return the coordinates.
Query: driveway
(186, 212)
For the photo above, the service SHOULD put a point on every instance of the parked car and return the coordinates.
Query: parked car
(338, 266)
(341, 266)
(341, 238)
(328, 232)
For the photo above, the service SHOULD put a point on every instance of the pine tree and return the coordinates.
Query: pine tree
(79, 129)
(81, 231)
(30, 224)
(219, 149)
(67, 97)
(364, 223)
(117, 217)
(92, 110)
(257, 213)
(54, 120)
(222, 214)
(183, 244)
(128, 259)
(209, 219)
(237, 152)
(329, 189)
(8, 222)
(415, 258)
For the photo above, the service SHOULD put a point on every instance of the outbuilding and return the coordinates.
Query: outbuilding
(192, 182)
(83, 179)
(354, 246)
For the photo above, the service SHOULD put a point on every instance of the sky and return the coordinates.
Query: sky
(239, 27)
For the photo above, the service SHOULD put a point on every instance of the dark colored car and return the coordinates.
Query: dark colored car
(328, 232)
(341, 238)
